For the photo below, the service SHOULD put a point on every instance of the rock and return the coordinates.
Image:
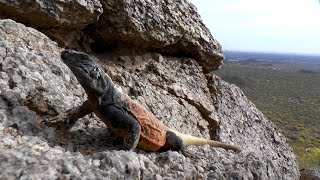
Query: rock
(52, 14)
(166, 26)
(152, 84)
(30, 67)
(34, 83)
(163, 26)
(60, 19)
(242, 123)
(310, 174)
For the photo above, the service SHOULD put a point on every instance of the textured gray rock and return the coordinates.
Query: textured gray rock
(310, 174)
(163, 26)
(166, 26)
(34, 82)
(62, 20)
(54, 13)
(241, 123)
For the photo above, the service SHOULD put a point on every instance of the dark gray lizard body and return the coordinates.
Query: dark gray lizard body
(123, 116)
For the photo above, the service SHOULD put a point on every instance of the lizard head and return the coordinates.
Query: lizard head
(87, 72)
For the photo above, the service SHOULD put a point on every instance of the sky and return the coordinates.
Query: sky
(289, 26)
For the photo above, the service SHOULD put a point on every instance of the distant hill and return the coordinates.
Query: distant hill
(272, 57)
(286, 89)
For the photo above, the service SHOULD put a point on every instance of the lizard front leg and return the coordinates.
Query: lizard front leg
(68, 118)
(118, 119)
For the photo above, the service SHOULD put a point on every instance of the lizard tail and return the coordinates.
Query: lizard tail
(192, 140)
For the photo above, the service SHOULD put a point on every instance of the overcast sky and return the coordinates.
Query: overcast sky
(263, 25)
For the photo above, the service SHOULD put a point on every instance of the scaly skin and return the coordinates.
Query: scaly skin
(124, 117)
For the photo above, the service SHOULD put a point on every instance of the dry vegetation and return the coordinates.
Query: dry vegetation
(288, 94)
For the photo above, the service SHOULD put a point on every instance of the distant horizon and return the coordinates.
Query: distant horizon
(271, 52)
(272, 57)
(287, 26)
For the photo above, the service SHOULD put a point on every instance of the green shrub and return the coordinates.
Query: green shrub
(307, 157)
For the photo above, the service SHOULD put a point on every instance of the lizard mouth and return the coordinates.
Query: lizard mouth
(70, 57)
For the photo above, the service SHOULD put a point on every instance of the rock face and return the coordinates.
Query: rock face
(62, 20)
(167, 26)
(163, 26)
(34, 82)
(310, 174)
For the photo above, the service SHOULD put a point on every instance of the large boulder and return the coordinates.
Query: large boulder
(54, 13)
(34, 83)
(171, 27)
(168, 26)
(62, 20)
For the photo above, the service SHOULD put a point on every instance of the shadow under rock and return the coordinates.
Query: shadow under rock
(87, 136)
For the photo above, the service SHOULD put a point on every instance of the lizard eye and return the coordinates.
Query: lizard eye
(95, 73)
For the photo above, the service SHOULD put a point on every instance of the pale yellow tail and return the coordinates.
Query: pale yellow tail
(192, 140)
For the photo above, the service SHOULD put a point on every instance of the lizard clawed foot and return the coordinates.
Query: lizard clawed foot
(129, 144)
(61, 121)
